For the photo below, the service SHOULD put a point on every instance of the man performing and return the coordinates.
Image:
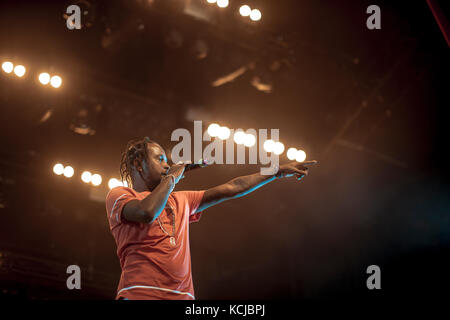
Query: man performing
(150, 222)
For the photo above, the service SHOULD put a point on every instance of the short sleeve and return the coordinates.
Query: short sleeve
(194, 199)
(116, 199)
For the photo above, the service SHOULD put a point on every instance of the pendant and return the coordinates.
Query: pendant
(172, 241)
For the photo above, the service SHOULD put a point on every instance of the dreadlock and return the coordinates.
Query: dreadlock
(136, 149)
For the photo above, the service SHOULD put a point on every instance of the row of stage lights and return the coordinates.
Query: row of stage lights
(44, 78)
(86, 176)
(245, 10)
(249, 140)
(214, 130)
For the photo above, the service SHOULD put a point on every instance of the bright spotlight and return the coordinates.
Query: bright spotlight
(58, 169)
(68, 171)
(222, 3)
(249, 140)
(255, 15)
(224, 133)
(113, 182)
(211, 1)
(245, 10)
(301, 156)
(96, 179)
(239, 137)
(291, 153)
(213, 129)
(278, 148)
(269, 145)
(86, 177)
(7, 66)
(44, 78)
(19, 70)
(56, 81)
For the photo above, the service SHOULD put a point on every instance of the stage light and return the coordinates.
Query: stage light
(44, 78)
(249, 140)
(224, 133)
(7, 66)
(58, 169)
(113, 182)
(255, 15)
(96, 179)
(68, 171)
(269, 145)
(278, 148)
(211, 1)
(86, 177)
(245, 10)
(56, 81)
(239, 137)
(213, 129)
(19, 70)
(222, 3)
(301, 156)
(291, 153)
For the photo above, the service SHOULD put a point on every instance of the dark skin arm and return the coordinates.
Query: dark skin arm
(241, 186)
(149, 208)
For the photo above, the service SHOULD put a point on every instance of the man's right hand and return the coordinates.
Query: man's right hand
(177, 170)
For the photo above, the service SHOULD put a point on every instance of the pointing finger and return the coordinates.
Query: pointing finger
(308, 163)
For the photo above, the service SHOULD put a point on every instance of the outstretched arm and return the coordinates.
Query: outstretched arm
(241, 186)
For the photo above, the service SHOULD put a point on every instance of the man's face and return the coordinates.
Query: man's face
(156, 165)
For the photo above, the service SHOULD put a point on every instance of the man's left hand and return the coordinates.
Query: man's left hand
(297, 169)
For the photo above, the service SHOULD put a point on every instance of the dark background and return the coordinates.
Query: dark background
(369, 105)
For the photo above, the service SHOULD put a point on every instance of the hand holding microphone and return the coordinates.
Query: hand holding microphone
(178, 170)
(199, 164)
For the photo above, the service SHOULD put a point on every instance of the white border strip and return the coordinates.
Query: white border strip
(163, 289)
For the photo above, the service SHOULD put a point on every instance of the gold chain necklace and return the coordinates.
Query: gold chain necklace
(172, 236)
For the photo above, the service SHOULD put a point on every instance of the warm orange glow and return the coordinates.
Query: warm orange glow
(86, 177)
(44, 78)
(301, 156)
(68, 171)
(245, 10)
(255, 15)
(291, 153)
(96, 179)
(213, 129)
(56, 81)
(19, 70)
(269, 145)
(58, 169)
(222, 3)
(7, 66)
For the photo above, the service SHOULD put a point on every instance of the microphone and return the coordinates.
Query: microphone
(192, 166)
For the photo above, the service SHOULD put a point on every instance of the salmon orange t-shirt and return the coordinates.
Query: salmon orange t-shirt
(152, 268)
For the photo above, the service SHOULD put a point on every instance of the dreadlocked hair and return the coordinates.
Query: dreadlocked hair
(136, 149)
